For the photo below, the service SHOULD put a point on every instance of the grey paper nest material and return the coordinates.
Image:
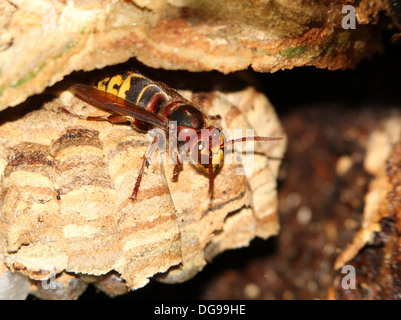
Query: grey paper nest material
(65, 207)
(41, 42)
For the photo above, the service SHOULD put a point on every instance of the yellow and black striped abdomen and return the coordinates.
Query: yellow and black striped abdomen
(136, 88)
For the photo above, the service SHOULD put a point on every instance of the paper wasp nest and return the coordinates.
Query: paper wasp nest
(65, 207)
(43, 41)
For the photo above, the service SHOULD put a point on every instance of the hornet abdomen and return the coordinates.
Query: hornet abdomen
(138, 89)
